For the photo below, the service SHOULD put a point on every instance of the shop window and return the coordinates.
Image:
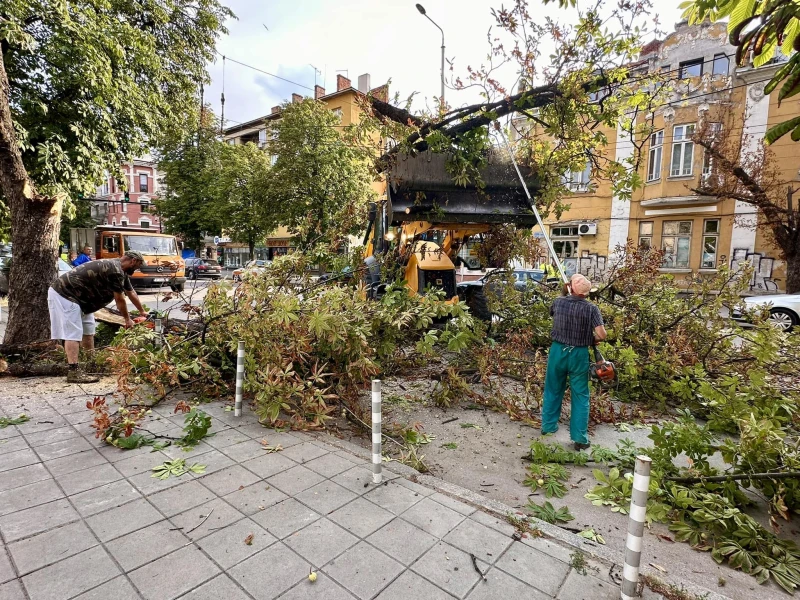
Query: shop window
(676, 239)
(646, 234)
(710, 244)
(682, 150)
(656, 152)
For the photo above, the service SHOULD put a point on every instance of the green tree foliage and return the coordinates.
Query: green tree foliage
(760, 30)
(83, 87)
(320, 181)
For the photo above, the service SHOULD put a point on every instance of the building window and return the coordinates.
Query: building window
(262, 138)
(691, 68)
(338, 113)
(656, 150)
(676, 237)
(231, 142)
(565, 241)
(144, 205)
(664, 69)
(721, 64)
(578, 181)
(682, 150)
(143, 182)
(708, 162)
(646, 234)
(144, 223)
(123, 223)
(105, 188)
(710, 244)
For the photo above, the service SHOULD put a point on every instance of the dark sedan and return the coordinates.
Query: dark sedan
(202, 267)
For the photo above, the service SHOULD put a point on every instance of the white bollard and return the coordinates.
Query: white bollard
(159, 329)
(376, 431)
(239, 379)
(633, 544)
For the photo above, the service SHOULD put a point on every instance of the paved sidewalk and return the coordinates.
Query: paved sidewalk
(80, 519)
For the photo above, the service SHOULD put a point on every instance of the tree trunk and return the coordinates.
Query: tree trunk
(35, 223)
(793, 274)
(252, 245)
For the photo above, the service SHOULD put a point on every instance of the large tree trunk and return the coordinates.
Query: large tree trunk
(793, 274)
(35, 222)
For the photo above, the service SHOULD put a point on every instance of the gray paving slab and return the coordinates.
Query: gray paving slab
(147, 484)
(449, 568)
(202, 520)
(120, 521)
(22, 476)
(474, 538)
(244, 450)
(493, 522)
(586, 587)
(6, 570)
(459, 507)
(159, 579)
(435, 518)
(12, 444)
(262, 580)
(51, 546)
(11, 590)
(214, 460)
(116, 589)
(320, 541)
(402, 541)
(501, 586)
(229, 480)
(324, 588)
(104, 497)
(43, 422)
(393, 497)
(221, 587)
(29, 495)
(295, 480)
(20, 458)
(181, 498)
(410, 585)
(303, 452)
(190, 452)
(265, 465)
(44, 438)
(358, 479)
(361, 517)
(364, 570)
(234, 543)
(325, 497)
(535, 568)
(34, 520)
(329, 464)
(254, 498)
(286, 517)
(71, 576)
(226, 438)
(87, 479)
(63, 447)
(75, 462)
(140, 463)
(145, 545)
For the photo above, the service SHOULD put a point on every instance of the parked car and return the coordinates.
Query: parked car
(5, 268)
(202, 267)
(250, 268)
(472, 292)
(784, 309)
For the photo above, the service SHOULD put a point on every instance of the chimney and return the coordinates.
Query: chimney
(296, 98)
(363, 83)
(381, 92)
(319, 92)
(275, 110)
(342, 83)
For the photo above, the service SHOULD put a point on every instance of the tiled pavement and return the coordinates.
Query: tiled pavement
(79, 519)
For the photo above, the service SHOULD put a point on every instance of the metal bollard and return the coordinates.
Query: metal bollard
(376, 431)
(239, 379)
(633, 544)
(159, 329)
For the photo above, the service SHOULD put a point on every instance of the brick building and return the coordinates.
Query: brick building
(142, 186)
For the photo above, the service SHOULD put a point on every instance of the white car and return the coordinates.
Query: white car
(784, 309)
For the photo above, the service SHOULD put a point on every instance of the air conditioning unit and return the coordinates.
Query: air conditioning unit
(587, 229)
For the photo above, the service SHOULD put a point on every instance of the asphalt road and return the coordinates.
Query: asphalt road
(194, 293)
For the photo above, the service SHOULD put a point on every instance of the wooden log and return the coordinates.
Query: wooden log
(25, 349)
(26, 369)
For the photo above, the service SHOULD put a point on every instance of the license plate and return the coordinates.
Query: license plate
(159, 280)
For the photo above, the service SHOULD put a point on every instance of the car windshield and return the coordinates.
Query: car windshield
(63, 265)
(211, 263)
(152, 245)
(529, 275)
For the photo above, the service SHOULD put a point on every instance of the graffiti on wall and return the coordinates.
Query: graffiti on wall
(763, 266)
(591, 265)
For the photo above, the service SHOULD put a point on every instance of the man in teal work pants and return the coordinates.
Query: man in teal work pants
(577, 324)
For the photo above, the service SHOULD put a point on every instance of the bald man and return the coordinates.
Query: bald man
(577, 324)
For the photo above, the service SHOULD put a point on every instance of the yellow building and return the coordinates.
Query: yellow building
(697, 233)
(344, 103)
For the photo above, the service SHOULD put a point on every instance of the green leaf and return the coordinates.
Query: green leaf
(743, 9)
(777, 132)
(6, 421)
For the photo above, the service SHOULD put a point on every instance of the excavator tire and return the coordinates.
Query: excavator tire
(477, 303)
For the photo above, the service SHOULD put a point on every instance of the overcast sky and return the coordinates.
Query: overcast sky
(387, 38)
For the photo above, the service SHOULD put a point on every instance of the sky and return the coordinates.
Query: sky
(389, 39)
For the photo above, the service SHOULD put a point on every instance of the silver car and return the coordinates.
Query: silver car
(784, 309)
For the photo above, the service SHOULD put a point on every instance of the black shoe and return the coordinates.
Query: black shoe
(578, 446)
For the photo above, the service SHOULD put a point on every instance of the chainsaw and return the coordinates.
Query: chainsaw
(603, 371)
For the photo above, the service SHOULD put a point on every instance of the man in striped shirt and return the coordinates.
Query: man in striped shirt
(577, 324)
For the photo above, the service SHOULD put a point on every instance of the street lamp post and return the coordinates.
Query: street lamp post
(421, 10)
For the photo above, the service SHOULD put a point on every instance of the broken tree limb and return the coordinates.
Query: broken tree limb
(735, 477)
(23, 349)
(24, 369)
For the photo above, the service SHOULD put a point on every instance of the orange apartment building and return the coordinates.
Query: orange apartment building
(697, 233)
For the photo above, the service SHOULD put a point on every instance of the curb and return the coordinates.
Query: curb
(610, 557)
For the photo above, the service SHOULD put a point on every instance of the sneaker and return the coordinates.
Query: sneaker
(80, 376)
(578, 446)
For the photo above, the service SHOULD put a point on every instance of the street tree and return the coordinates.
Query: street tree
(320, 181)
(760, 31)
(188, 163)
(241, 189)
(744, 169)
(85, 86)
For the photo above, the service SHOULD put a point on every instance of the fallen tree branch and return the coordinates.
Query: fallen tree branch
(735, 477)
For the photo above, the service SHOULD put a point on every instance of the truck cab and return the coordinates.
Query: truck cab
(161, 251)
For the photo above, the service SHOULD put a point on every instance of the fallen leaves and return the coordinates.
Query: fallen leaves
(249, 540)
(176, 468)
(270, 449)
